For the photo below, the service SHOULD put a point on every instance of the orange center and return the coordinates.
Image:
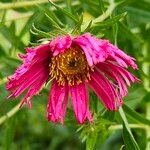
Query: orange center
(70, 66)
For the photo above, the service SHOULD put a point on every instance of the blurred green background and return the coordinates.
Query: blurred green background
(28, 129)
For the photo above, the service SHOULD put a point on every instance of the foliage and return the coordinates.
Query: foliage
(125, 23)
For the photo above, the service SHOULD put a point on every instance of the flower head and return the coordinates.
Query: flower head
(74, 64)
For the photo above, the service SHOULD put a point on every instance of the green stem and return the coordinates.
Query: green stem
(22, 4)
(148, 127)
(137, 126)
(9, 114)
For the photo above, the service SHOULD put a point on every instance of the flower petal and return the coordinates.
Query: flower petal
(118, 74)
(57, 104)
(104, 90)
(33, 90)
(119, 56)
(60, 44)
(92, 47)
(79, 96)
(100, 50)
(35, 68)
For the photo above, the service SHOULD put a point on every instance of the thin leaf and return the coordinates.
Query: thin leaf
(78, 26)
(67, 13)
(91, 141)
(129, 140)
(39, 32)
(126, 32)
(88, 28)
(111, 21)
(136, 116)
(101, 4)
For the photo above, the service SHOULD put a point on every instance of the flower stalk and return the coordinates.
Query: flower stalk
(9, 114)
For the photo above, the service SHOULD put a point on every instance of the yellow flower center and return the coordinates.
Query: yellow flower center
(70, 66)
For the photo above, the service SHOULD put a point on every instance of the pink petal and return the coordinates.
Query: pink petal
(119, 74)
(60, 44)
(122, 58)
(79, 96)
(100, 50)
(35, 68)
(33, 90)
(57, 104)
(104, 90)
(92, 47)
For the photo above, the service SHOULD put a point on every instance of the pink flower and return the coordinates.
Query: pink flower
(74, 64)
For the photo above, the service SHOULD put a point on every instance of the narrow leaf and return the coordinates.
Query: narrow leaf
(39, 32)
(136, 116)
(129, 140)
(67, 13)
(101, 4)
(111, 21)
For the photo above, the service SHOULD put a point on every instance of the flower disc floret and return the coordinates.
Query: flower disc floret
(70, 66)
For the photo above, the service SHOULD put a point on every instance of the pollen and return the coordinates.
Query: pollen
(70, 67)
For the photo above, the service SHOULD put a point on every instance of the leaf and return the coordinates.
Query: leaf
(28, 24)
(143, 16)
(56, 26)
(78, 26)
(111, 21)
(101, 4)
(51, 16)
(109, 115)
(136, 116)
(39, 32)
(147, 97)
(91, 140)
(129, 140)
(128, 34)
(65, 12)
(88, 28)
(9, 133)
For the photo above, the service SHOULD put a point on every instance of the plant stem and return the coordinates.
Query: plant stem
(148, 128)
(9, 114)
(137, 126)
(22, 4)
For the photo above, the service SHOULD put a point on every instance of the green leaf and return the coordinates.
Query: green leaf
(110, 22)
(9, 133)
(128, 34)
(51, 16)
(91, 140)
(136, 116)
(101, 4)
(109, 115)
(39, 32)
(78, 26)
(88, 28)
(55, 25)
(28, 25)
(129, 140)
(65, 12)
